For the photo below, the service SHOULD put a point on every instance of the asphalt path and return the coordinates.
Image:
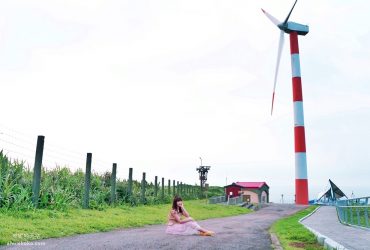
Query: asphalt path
(325, 221)
(249, 231)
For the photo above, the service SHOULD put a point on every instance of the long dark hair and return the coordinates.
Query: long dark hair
(174, 203)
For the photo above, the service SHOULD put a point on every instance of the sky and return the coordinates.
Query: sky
(155, 85)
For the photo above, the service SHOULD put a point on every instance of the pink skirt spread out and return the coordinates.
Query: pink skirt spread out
(188, 228)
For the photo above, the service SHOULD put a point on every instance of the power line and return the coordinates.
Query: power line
(2, 133)
(60, 148)
(26, 137)
(17, 145)
(15, 152)
(53, 154)
(48, 150)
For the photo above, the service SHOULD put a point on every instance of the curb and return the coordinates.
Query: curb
(275, 242)
(322, 239)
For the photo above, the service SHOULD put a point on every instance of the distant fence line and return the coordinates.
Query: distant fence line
(354, 211)
(177, 188)
(235, 200)
(223, 199)
(217, 199)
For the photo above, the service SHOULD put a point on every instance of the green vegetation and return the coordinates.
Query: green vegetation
(215, 191)
(293, 235)
(18, 226)
(61, 189)
(60, 201)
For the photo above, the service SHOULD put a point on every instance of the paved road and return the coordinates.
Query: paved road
(325, 221)
(238, 232)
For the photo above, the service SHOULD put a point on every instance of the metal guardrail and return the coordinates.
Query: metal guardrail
(354, 211)
(217, 199)
(235, 200)
(223, 199)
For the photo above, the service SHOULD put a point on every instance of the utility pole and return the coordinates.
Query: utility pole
(203, 171)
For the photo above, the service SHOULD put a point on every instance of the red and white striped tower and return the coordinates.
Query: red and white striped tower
(294, 29)
(301, 183)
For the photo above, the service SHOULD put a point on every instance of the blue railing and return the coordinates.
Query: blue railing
(354, 211)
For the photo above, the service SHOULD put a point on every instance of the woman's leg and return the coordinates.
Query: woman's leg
(195, 225)
(202, 230)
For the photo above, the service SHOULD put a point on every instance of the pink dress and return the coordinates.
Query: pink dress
(187, 228)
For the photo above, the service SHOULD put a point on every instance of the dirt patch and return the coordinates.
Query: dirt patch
(297, 244)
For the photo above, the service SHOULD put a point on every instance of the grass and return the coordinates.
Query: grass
(21, 226)
(293, 235)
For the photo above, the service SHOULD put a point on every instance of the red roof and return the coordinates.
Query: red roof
(251, 184)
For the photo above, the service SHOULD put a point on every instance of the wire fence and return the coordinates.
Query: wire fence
(217, 199)
(17, 145)
(19, 161)
(227, 200)
(235, 200)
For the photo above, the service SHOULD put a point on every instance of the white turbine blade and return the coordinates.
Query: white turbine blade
(281, 45)
(273, 19)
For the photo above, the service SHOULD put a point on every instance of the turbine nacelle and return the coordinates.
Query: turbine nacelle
(294, 27)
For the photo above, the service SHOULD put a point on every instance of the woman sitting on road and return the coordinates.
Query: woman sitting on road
(186, 226)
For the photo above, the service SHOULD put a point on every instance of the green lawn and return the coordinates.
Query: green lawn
(293, 235)
(18, 226)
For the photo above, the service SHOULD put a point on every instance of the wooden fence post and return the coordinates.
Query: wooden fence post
(87, 181)
(143, 189)
(156, 186)
(178, 188)
(174, 188)
(37, 170)
(129, 187)
(162, 188)
(169, 187)
(113, 183)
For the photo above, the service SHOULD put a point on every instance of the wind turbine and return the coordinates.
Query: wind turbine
(294, 29)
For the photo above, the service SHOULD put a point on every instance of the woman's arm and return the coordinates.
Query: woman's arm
(178, 219)
(184, 212)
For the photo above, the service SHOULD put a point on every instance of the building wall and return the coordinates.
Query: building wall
(253, 195)
(234, 190)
